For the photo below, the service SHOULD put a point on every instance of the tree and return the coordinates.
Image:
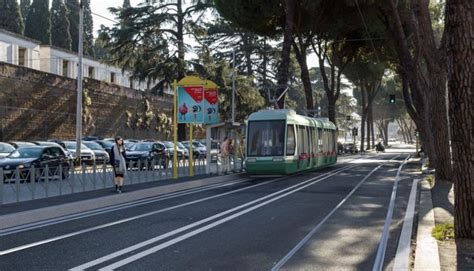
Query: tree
(25, 7)
(460, 49)
(10, 16)
(88, 29)
(38, 24)
(60, 35)
(73, 18)
(145, 40)
(422, 65)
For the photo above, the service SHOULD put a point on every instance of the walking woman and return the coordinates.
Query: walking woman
(117, 159)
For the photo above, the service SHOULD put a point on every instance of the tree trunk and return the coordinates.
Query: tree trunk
(364, 117)
(368, 130)
(371, 116)
(459, 22)
(301, 52)
(440, 130)
(285, 52)
(385, 131)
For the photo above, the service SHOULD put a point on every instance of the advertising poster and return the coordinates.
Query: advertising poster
(211, 105)
(190, 104)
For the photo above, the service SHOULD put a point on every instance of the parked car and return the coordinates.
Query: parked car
(147, 152)
(129, 144)
(87, 155)
(90, 138)
(199, 150)
(37, 157)
(182, 148)
(170, 149)
(101, 155)
(54, 144)
(5, 149)
(349, 148)
(106, 144)
(19, 144)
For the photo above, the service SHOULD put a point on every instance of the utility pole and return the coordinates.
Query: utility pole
(233, 86)
(79, 84)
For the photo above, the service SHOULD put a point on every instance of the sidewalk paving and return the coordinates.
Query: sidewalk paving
(454, 255)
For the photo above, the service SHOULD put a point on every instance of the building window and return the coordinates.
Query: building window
(91, 72)
(65, 67)
(112, 77)
(22, 56)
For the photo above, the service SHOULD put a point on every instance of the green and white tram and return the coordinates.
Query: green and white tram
(282, 142)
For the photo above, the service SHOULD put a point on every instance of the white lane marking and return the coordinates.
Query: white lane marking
(38, 243)
(402, 257)
(295, 188)
(292, 252)
(378, 264)
(157, 248)
(117, 207)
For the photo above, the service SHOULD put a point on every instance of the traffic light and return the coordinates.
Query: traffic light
(391, 99)
(354, 131)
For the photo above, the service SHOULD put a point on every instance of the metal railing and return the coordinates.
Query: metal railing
(23, 184)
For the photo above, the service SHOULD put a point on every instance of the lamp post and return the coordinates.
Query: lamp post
(79, 84)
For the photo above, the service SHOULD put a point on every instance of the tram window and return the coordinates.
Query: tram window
(290, 140)
(308, 136)
(314, 140)
(266, 138)
(320, 139)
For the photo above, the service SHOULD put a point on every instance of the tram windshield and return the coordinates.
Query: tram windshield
(266, 138)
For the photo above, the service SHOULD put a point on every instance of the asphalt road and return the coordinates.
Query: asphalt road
(327, 219)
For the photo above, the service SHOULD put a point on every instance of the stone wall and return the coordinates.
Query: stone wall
(36, 106)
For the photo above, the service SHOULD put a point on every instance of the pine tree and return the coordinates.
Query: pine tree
(88, 29)
(10, 16)
(73, 18)
(126, 4)
(60, 35)
(24, 7)
(38, 25)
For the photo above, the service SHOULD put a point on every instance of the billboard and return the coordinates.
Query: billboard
(190, 104)
(211, 106)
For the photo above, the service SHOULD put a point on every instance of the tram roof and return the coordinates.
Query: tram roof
(289, 114)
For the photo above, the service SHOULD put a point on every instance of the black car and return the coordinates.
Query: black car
(147, 152)
(36, 157)
(101, 155)
(349, 148)
(106, 144)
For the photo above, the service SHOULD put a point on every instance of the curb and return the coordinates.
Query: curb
(426, 253)
(31, 216)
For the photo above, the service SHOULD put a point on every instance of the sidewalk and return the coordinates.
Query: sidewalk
(454, 255)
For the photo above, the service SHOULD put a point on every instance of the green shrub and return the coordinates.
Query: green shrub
(443, 232)
(431, 180)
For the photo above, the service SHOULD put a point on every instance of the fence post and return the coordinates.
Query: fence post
(17, 184)
(104, 174)
(94, 174)
(83, 176)
(60, 179)
(2, 189)
(47, 180)
(33, 181)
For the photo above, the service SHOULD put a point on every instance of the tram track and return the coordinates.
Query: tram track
(187, 231)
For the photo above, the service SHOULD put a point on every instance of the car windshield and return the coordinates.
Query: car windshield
(26, 153)
(5, 148)
(141, 147)
(93, 146)
(181, 145)
(168, 144)
(72, 146)
(266, 138)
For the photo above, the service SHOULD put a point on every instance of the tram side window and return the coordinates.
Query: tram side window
(334, 141)
(314, 140)
(301, 140)
(266, 138)
(320, 140)
(290, 140)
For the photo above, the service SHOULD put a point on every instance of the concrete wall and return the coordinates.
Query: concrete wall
(38, 105)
